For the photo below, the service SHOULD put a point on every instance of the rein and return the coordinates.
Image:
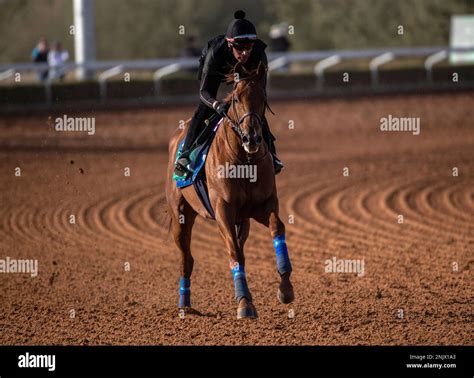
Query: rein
(236, 155)
(236, 125)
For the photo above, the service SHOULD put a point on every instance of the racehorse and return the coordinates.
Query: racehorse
(238, 141)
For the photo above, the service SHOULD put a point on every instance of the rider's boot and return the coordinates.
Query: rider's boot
(269, 139)
(201, 113)
(181, 165)
(277, 163)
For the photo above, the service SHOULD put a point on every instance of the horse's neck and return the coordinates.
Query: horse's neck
(230, 142)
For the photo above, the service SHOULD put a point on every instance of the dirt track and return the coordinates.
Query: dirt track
(408, 266)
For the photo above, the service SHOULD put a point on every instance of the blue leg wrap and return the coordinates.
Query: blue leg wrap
(240, 283)
(282, 258)
(184, 292)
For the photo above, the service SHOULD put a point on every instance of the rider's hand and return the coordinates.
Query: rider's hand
(221, 108)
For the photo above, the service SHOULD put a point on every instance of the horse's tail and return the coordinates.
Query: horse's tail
(168, 225)
(166, 219)
(166, 222)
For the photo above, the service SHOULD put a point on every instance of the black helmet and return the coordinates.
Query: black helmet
(241, 30)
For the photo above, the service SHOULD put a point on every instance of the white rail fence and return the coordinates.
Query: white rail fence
(168, 66)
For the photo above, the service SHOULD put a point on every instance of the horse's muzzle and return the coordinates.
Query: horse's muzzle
(251, 144)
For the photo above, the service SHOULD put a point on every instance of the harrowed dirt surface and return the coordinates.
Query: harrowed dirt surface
(118, 220)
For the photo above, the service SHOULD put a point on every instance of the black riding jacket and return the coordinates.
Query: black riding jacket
(217, 60)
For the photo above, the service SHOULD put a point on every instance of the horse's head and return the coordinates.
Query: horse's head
(247, 105)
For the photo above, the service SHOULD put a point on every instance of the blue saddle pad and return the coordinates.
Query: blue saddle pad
(197, 177)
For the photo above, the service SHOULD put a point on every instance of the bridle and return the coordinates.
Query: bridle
(236, 125)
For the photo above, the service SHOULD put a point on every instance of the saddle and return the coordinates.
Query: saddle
(198, 155)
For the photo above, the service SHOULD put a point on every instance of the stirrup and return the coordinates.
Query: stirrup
(180, 169)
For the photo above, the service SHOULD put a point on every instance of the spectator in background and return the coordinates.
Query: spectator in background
(40, 55)
(279, 41)
(190, 51)
(57, 57)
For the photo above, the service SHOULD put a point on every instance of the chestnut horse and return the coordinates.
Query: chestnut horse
(238, 142)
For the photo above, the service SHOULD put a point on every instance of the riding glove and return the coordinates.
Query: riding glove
(221, 108)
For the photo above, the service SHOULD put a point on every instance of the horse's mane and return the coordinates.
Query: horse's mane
(249, 76)
(229, 79)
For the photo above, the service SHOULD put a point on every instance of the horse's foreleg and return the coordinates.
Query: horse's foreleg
(243, 230)
(182, 225)
(269, 217)
(225, 218)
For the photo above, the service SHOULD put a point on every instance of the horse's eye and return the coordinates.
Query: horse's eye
(237, 100)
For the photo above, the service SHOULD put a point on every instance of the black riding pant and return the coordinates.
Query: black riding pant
(196, 126)
(267, 135)
(197, 123)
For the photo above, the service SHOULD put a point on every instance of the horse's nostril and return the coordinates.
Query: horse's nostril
(245, 139)
(259, 139)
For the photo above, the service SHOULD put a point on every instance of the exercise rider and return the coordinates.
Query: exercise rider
(240, 44)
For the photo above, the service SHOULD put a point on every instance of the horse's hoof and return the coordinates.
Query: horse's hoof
(186, 310)
(246, 311)
(285, 292)
(286, 298)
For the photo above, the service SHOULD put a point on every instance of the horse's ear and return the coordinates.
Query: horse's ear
(261, 70)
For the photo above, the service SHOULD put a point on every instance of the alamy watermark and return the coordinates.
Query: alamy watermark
(246, 171)
(46, 361)
(66, 123)
(391, 123)
(336, 265)
(9, 265)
